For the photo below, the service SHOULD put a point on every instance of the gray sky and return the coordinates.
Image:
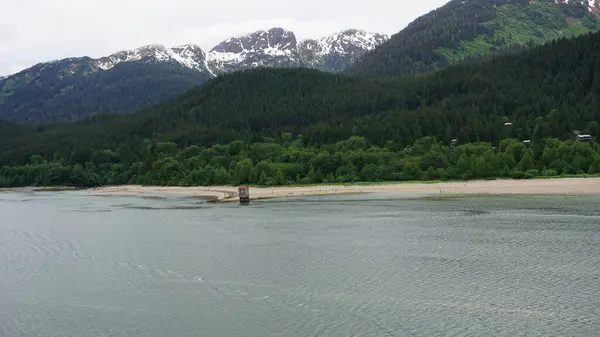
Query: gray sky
(33, 31)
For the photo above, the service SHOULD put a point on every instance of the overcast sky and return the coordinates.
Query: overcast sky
(33, 31)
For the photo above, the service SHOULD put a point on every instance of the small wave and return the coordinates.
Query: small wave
(89, 211)
(166, 208)
(475, 212)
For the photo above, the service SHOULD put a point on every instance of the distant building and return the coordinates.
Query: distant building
(584, 138)
(527, 142)
(453, 143)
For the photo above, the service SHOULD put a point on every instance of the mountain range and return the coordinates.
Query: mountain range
(460, 31)
(74, 88)
(280, 48)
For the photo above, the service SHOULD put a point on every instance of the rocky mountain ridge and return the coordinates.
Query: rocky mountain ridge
(74, 88)
(276, 47)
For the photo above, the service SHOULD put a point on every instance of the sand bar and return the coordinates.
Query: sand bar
(562, 186)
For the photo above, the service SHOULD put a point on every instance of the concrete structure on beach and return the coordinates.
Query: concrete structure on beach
(244, 194)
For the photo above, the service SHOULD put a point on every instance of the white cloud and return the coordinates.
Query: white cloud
(33, 31)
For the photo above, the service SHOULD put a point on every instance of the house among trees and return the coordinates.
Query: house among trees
(453, 143)
(584, 138)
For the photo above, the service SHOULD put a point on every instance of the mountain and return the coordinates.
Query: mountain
(466, 29)
(189, 56)
(544, 92)
(278, 47)
(337, 51)
(75, 88)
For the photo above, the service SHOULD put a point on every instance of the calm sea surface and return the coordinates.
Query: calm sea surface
(74, 264)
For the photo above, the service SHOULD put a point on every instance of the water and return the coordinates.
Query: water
(73, 264)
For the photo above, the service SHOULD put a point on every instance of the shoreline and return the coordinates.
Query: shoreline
(558, 186)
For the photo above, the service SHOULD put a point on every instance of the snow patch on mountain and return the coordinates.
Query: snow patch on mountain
(354, 39)
(337, 51)
(593, 5)
(189, 56)
(275, 47)
(278, 47)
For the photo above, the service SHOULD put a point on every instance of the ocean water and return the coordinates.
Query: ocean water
(76, 264)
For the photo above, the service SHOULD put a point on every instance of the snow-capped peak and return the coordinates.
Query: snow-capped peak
(274, 47)
(278, 47)
(274, 38)
(190, 56)
(337, 51)
(354, 39)
(361, 38)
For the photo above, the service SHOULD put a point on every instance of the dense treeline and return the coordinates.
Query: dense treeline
(463, 30)
(47, 93)
(293, 162)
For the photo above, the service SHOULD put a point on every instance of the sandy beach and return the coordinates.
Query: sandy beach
(563, 186)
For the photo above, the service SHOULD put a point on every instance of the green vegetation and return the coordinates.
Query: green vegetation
(292, 162)
(462, 31)
(277, 126)
(518, 25)
(47, 93)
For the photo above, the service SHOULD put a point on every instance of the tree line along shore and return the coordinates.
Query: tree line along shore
(295, 163)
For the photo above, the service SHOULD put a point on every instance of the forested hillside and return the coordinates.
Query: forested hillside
(545, 93)
(47, 93)
(470, 29)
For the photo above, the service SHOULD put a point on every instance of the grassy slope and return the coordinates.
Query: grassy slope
(538, 22)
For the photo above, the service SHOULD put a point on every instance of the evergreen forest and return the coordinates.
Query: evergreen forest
(511, 116)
